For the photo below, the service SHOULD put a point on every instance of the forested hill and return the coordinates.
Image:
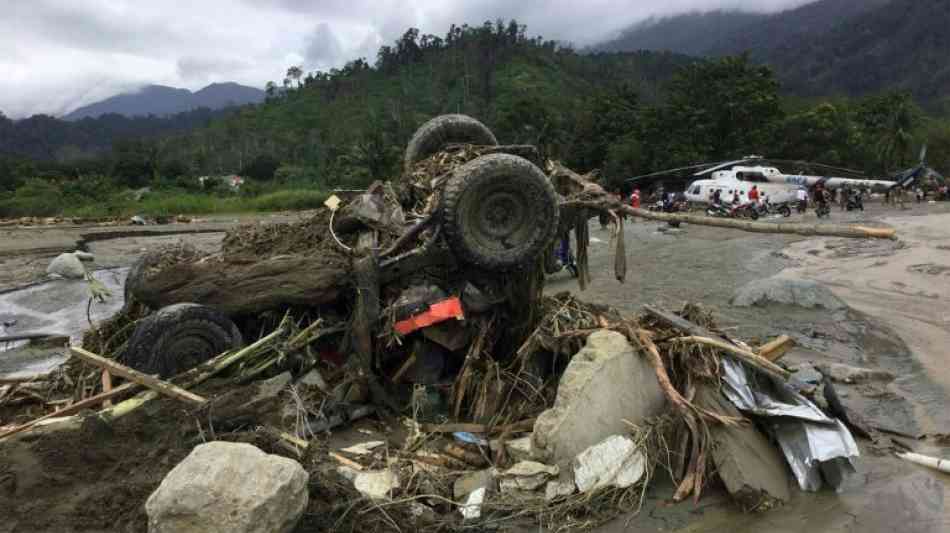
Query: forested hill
(823, 48)
(358, 118)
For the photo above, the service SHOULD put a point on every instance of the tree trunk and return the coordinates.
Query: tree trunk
(241, 288)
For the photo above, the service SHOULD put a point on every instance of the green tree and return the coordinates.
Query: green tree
(261, 168)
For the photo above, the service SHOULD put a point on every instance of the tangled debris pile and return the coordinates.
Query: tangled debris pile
(416, 306)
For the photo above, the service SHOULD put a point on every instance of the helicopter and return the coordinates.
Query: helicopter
(738, 177)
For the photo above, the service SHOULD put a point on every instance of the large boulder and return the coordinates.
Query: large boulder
(68, 266)
(605, 384)
(229, 488)
(803, 293)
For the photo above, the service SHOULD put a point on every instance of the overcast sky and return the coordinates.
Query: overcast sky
(56, 55)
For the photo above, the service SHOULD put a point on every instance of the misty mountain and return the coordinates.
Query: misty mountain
(727, 32)
(161, 101)
(823, 48)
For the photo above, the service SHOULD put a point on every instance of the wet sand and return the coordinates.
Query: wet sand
(25, 252)
(899, 294)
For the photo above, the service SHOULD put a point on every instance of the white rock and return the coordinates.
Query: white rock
(225, 487)
(67, 266)
(526, 475)
(558, 489)
(606, 385)
(614, 462)
(376, 485)
(84, 256)
(473, 505)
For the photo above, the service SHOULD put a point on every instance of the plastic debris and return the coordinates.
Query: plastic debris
(470, 438)
(526, 475)
(473, 505)
(363, 448)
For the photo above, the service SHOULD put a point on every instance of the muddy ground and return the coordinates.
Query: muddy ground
(899, 320)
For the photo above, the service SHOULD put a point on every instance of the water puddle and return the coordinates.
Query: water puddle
(59, 307)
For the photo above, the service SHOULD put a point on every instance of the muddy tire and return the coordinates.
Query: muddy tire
(499, 212)
(442, 130)
(179, 337)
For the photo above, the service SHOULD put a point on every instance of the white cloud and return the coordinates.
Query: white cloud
(60, 54)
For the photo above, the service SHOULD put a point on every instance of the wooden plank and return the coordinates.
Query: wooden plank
(76, 407)
(777, 348)
(160, 386)
(452, 428)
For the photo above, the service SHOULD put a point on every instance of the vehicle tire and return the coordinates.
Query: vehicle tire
(753, 214)
(442, 130)
(179, 337)
(674, 224)
(499, 212)
(785, 211)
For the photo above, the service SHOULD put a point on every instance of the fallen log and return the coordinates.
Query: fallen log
(246, 287)
(157, 385)
(808, 230)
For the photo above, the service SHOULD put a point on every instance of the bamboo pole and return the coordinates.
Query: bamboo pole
(76, 407)
(943, 465)
(158, 385)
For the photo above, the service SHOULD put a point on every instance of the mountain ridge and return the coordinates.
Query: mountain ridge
(163, 101)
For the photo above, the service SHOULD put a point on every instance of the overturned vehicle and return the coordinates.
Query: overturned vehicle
(468, 231)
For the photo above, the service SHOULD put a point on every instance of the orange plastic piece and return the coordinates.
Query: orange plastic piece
(438, 312)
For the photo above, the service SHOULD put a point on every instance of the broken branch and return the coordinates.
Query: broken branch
(748, 357)
(163, 387)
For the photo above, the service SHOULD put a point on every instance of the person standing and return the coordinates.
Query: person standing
(754, 194)
(635, 199)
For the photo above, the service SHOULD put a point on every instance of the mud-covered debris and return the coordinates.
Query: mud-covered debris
(851, 374)
(526, 476)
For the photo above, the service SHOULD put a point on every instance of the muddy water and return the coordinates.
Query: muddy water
(897, 293)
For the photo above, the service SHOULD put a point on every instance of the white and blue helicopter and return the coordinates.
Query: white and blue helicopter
(738, 177)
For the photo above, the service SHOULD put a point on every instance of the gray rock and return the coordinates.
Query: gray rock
(803, 293)
(751, 468)
(229, 488)
(604, 385)
(67, 266)
(852, 374)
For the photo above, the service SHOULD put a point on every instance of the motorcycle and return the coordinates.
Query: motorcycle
(855, 202)
(670, 206)
(746, 210)
(768, 208)
(823, 209)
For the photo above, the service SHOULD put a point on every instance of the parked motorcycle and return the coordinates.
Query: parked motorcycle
(855, 202)
(768, 208)
(823, 209)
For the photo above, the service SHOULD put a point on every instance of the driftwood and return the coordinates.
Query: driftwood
(157, 385)
(809, 230)
(246, 287)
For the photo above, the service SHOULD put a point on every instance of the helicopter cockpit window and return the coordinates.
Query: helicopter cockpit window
(696, 189)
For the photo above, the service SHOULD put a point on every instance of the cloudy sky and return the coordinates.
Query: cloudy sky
(56, 55)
